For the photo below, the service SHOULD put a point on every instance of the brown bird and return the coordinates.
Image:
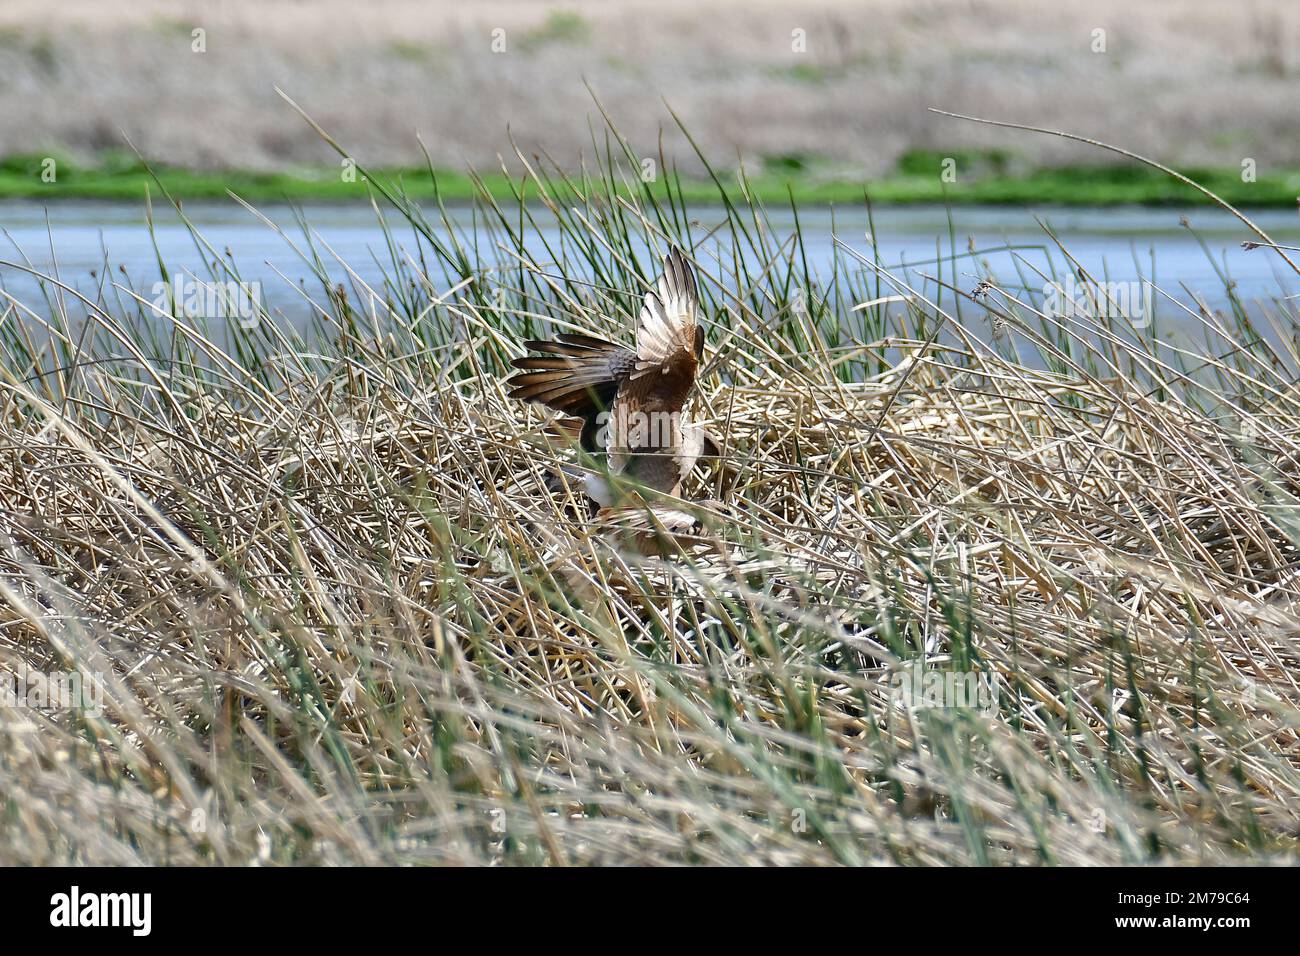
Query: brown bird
(631, 403)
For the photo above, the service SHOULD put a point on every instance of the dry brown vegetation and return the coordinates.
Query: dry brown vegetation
(337, 615)
(1193, 82)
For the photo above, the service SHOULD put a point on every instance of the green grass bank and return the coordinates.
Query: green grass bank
(921, 177)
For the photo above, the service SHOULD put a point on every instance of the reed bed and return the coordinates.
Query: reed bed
(336, 612)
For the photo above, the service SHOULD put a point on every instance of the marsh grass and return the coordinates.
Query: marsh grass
(337, 616)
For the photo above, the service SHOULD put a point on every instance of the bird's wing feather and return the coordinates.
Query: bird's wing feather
(667, 322)
(579, 374)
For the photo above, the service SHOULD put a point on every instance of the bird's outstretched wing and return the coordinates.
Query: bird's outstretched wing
(667, 332)
(577, 372)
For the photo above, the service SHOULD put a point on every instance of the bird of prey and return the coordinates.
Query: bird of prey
(631, 403)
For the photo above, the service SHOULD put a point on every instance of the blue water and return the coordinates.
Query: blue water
(75, 239)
